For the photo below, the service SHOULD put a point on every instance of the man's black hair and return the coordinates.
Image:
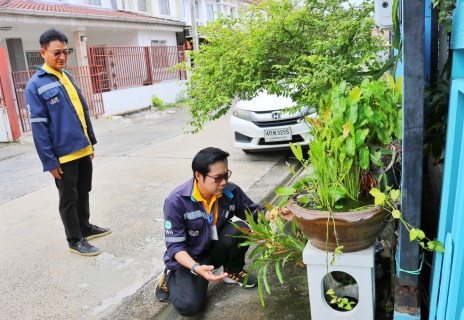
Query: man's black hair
(206, 157)
(52, 35)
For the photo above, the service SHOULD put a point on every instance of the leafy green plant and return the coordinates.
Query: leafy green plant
(273, 247)
(445, 13)
(157, 102)
(182, 97)
(287, 47)
(390, 201)
(349, 136)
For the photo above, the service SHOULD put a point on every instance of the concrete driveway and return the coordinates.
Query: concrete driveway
(138, 160)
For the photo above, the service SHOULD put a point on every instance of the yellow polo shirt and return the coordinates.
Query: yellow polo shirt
(74, 97)
(208, 206)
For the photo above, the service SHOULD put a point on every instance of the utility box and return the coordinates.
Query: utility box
(383, 14)
(5, 129)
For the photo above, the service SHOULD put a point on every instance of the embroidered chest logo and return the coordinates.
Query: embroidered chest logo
(54, 100)
(193, 233)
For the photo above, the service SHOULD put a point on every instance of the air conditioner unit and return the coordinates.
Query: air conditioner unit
(383, 14)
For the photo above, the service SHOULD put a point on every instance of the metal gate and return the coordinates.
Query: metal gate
(87, 78)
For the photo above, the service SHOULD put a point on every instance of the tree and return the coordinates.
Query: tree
(291, 48)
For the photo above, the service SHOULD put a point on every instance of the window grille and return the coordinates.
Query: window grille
(34, 59)
(142, 5)
(209, 12)
(164, 7)
(92, 2)
(158, 43)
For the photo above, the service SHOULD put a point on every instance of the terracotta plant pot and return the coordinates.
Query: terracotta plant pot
(356, 230)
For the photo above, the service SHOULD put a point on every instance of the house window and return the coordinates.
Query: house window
(232, 13)
(142, 5)
(158, 43)
(164, 7)
(34, 59)
(197, 13)
(123, 4)
(209, 12)
(91, 2)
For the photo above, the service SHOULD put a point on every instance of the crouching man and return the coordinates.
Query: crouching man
(199, 235)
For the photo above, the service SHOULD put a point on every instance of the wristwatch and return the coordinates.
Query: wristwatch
(192, 269)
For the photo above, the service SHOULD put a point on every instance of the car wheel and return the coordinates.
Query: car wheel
(246, 151)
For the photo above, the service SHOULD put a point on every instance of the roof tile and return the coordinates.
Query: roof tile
(37, 6)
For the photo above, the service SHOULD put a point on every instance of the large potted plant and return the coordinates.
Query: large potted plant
(358, 128)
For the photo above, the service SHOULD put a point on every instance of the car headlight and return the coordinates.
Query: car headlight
(242, 114)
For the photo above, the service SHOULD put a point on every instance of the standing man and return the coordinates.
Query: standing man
(64, 139)
(199, 235)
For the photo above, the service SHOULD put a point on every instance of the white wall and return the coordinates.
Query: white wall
(116, 38)
(145, 37)
(123, 100)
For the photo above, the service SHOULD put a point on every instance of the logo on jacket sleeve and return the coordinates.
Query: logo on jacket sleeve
(54, 100)
(167, 224)
(194, 233)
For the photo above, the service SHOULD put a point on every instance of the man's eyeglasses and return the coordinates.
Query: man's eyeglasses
(57, 53)
(221, 177)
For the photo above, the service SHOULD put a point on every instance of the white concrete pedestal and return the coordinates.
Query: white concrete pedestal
(360, 265)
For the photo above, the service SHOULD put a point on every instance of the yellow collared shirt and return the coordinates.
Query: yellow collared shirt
(208, 206)
(74, 97)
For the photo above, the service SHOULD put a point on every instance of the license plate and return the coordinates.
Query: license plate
(278, 135)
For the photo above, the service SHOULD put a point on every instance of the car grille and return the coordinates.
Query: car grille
(277, 123)
(295, 139)
(242, 138)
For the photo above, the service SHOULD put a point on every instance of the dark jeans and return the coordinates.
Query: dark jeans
(188, 291)
(73, 189)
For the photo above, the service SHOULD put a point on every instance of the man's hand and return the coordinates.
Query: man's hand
(206, 272)
(283, 212)
(56, 173)
(92, 156)
(287, 214)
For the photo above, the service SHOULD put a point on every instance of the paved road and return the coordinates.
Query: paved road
(139, 160)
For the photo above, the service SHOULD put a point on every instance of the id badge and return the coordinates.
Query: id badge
(214, 234)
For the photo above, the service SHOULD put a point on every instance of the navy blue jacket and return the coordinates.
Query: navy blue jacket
(56, 128)
(185, 226)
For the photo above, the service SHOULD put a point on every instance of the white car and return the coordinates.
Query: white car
(259, 124)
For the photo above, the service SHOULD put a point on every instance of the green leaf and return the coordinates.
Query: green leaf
(266, 284)
(279, 274)
(431, 245)
(255, 251)
(333, 301)
(380, 199)
(330, 291)
(440, 248)
(420, 234)
(283, 201)
(364, 157)
(297, 151)
(394, 194)
(412, 234)
(396, 214)
(375, 192)
(285, 191)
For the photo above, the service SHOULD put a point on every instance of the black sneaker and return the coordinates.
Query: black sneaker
(239, 278)
(96, 232)
(162, 290)
(84, 248)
